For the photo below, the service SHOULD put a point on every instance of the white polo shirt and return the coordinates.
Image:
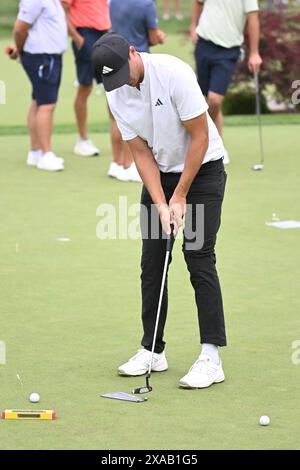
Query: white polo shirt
(48, 33)
(223, 21)
(168, 95)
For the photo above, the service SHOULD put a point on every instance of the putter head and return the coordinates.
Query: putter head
(139, 390)
(258, 167)
(147, 389)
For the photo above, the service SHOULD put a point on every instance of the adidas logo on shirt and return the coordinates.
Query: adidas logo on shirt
(106, 70)
(158, 103)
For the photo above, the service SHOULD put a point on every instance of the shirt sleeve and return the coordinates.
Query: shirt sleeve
(29, 10)
(251, 5)
(124, 127)
(151, 16)
(186, 94)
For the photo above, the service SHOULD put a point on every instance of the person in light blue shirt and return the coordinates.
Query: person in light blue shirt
(135, 20)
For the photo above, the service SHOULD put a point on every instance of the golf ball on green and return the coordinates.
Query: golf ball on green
(264, 420)
(34, 397)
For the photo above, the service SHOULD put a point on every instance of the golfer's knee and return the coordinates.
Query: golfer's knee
(215, 103)
(205, 254)
(46, 109)
(84, 91)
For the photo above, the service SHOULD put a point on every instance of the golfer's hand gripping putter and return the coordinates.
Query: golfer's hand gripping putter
(169, 246)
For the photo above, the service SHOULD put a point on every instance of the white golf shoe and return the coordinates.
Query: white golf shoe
(129, 174)
(203, 373)
(139, 363)
(134, 174)
(114, 170)
(33, 157)
(86, 148)
(50, 162)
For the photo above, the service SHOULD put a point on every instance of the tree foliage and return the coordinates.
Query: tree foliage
(280, 50)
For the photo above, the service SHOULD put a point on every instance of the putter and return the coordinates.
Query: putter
(258, 166)
(170, 241)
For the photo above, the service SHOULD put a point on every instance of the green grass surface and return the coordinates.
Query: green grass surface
(70, 311)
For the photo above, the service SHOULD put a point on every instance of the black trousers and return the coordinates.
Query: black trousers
(205, 198)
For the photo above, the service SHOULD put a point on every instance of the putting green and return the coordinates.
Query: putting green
(70, 310)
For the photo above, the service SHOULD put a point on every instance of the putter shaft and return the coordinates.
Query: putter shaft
(169, 246)
(258, 115)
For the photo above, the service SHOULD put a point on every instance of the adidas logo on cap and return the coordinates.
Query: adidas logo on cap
(106, 70)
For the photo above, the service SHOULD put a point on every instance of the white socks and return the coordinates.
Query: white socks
(212, 351)
(36, 153)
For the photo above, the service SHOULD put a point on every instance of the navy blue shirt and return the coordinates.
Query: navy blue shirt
(132, 19)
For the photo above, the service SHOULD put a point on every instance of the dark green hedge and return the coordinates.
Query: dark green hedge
(242, 102)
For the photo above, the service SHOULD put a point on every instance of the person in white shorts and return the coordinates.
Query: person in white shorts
(217, 30)
(40, 34)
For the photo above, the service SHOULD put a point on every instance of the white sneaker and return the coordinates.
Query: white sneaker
(114, 170)
(129, 174)
(203, 373)
(86, 148)
(50, 162)
(179, 17)
(166, 16)
(123, 174)
(134, 174)
(226, 159)
(33, 157)
(139, 363)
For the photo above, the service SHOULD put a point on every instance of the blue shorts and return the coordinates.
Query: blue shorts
(44, 72)
(83, 57)
(215, 66)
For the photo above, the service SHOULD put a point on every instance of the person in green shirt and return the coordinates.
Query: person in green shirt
(217, 30)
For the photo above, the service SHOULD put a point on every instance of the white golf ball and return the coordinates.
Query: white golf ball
(264, 420)
(34, 398)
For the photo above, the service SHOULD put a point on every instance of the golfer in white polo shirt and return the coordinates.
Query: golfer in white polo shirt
(40, 34)
(162, 114)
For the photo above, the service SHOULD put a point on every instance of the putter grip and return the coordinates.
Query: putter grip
(170, 239)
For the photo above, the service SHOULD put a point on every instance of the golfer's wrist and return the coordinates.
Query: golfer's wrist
(161, 205)
(181, 190)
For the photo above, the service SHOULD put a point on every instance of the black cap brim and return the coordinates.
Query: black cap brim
(117, 79)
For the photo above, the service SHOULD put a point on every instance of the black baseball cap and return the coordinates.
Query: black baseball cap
(110, 57)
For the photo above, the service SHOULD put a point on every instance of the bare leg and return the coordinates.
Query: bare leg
(80, 107)
(116, 144)
(128, 158)
(31, 122)
(166, 7)
(215, 109)
(44, 125)
(178, 8)
(220, 122)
